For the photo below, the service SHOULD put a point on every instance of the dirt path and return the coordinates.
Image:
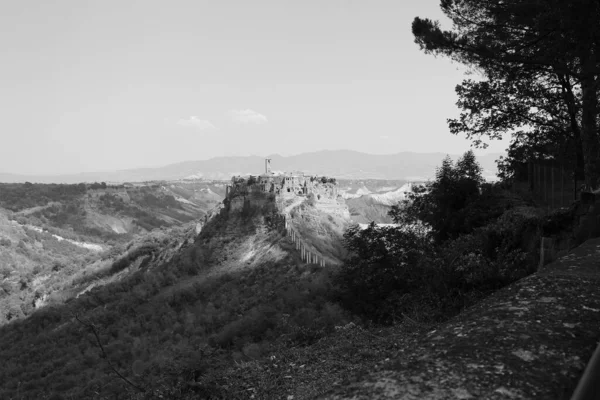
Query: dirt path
(29, 211)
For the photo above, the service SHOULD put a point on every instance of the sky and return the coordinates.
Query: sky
(115, 84)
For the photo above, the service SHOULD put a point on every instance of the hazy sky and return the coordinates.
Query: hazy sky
(112, 84)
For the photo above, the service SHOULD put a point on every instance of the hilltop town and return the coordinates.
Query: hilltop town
(282, 184)
(286, 189)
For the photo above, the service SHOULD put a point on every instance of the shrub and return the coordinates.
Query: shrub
(450, 204)
(406, 270)
(5, 271)
(384, 263)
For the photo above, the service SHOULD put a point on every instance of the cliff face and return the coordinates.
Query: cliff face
(219, 296)
(314, 222)
(283, 185)
(336, 207)
(256, 199)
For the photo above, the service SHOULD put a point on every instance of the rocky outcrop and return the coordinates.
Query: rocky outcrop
(307, 254)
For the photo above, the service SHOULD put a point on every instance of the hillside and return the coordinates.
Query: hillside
(227, 309)
(175, 311)
(54, 238)
(371, 200)
(111, 213)
(339, 164)
(530, 340)
(365, 209)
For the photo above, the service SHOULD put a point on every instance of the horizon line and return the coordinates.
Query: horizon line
(226, 156)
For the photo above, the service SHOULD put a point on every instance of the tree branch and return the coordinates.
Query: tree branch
(92, 328)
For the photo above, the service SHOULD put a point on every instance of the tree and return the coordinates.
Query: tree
(445, 203)
(378, 279)
(546, 131)
(469, 170)
(539, 60)
(392, 269)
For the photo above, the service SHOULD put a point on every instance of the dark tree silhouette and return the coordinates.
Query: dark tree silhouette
(541, 68)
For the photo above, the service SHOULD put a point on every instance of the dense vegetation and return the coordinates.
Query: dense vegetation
(72, 209)
(142, 206)
(156, 336)
(192, 325)
(51, 234)
(17, 196)
(32, 268)
(173, 328)
(539, 65)
(454, 244)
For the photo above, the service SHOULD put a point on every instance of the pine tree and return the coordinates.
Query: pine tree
(541, 68)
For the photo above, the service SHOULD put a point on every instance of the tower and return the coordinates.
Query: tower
(267, 165)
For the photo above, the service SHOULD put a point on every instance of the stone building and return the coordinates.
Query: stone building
(281, 184)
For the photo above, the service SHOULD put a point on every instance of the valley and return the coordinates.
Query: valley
(294, 200)
(52, 236)
(56, 238)
(212, 289)
(221, 276)
(65, 245)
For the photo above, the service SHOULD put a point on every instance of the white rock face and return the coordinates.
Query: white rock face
(182, 200)
(365, 226)
(362, 191)
(389, 198)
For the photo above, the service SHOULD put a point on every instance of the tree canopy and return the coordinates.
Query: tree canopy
(448, 246)
(540, 74)
(446, 203)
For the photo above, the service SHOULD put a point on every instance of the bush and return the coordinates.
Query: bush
(386, 261)
(455, 243)
(451, 203)
(394, 273)
(488, 259)
(5, 271)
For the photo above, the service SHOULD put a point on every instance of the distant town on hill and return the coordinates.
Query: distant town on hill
(335, 163)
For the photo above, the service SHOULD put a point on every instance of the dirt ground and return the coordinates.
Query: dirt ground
(530, 340)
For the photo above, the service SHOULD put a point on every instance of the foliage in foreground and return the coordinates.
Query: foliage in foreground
(539, 63)
(454, 243)
(161, 336)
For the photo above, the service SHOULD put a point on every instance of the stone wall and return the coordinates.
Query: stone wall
(252, 197)
(288, 185)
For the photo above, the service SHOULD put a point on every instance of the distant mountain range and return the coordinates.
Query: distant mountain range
(335, 163)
